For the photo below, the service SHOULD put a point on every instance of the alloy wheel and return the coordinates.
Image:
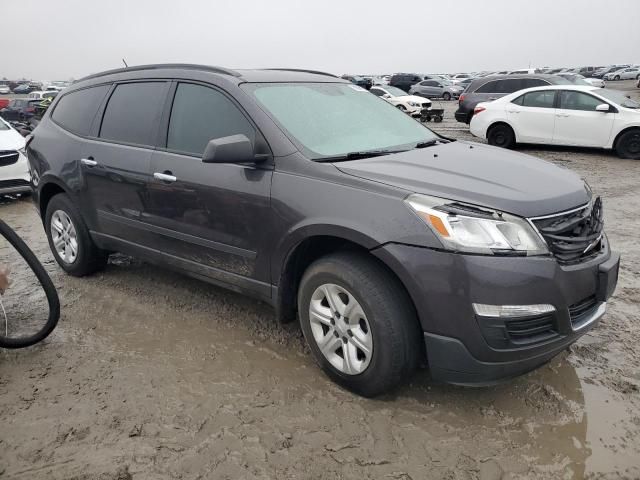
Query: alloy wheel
(64, 236)
(340, 329)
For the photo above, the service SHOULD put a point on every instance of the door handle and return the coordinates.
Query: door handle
(165, 177)
(89, 162)
(562, 114)
(513, 111)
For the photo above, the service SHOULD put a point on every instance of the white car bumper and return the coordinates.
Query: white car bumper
(15, 178)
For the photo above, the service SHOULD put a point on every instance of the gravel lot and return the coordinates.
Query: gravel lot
(151, 374)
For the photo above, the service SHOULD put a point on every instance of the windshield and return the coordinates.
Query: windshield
(396, 92)
(329, 119)
(617, 97)
(3, 126)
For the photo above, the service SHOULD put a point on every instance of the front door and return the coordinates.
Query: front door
(212, 217)
(578, 122)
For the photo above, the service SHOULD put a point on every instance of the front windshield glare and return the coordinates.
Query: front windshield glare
(329, 119)
(396, 92)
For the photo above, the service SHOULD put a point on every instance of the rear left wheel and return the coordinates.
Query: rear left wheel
(359, 323)
(446, 96)
(501, 135)
(69, 238)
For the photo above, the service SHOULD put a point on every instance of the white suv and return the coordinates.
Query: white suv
(411, 104)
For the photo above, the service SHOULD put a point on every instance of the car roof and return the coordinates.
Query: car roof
(578, 88)
(239, 76)
(477, 82)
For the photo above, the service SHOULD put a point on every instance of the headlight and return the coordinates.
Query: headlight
(467, 228)
(414, 104)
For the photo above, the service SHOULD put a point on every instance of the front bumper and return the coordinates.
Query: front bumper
(464, 348)
(15, 178)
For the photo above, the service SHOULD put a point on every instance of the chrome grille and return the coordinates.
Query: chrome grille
(8, 157)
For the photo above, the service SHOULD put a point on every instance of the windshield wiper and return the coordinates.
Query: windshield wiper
(358, 155)
(430, 143)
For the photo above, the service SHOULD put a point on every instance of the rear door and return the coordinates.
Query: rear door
(533, 116)
(212, 216)
(578, 122)
(116, 161)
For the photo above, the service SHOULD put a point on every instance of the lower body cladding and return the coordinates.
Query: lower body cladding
(490, 318)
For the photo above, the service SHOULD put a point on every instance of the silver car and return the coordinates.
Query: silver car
(436, 89)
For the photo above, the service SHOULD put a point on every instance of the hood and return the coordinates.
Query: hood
(478, 174)
(414, 98)
(11, 140)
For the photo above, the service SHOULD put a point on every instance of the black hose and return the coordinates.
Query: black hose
(49, 290)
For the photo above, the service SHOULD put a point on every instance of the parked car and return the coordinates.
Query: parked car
(411, 104)
(4, 89)
(436, 89)
(493, 87)
(574, 115)
(360, 81)
(19, 109)
(457, 78)
(611, 68)
(22, 88)
(41, 95)
(587, 71)
(404, 81)
(391, 244)
(631, 73)
(14, 169)
(577, 79)
(525, 71)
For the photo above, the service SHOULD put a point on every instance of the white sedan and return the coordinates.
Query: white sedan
(14, 169)
(576, 115)
(411, 104)
(631, 73)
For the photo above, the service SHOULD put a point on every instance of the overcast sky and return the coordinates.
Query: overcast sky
(73, 38)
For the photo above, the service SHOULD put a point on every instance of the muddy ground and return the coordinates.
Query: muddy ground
(152, 375)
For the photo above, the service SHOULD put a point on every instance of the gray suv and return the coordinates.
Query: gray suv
(492, 87)
(391, 245)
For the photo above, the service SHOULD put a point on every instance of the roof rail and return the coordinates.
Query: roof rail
(302, 70)
(188, 66)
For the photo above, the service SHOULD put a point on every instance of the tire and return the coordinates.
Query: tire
(628, 145)
(446, 96)
(390, 323)
(501, 135)
(617, 77)
(402, 108)
(88, 257)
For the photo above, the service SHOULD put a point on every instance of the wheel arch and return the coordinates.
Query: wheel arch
(501, 121)
(614, 145)
(312, 247)
(49, 187)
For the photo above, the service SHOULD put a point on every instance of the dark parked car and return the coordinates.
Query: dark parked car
(19, 109)
(490, 88)
(404, 81)
(23, 88)
(360, 81)
(391, 244)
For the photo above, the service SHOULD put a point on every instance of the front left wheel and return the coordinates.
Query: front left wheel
(628, 145)
(359, 323)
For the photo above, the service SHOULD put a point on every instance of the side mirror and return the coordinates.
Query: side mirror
(232, 149)
(603, 107)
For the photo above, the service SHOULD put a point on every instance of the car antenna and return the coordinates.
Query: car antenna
(125, 63)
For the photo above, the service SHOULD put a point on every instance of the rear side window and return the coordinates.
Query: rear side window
(489, 87)
(533, 82)
(541, 99)
(377, 92)
(200, 114)
(133, 112)
(75, 111)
